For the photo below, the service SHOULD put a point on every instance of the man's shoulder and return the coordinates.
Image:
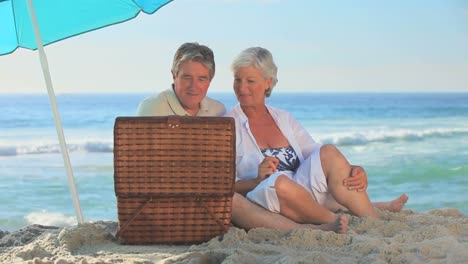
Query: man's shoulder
(214, 102)
(214, 107)
(155, 98)
(155, 105)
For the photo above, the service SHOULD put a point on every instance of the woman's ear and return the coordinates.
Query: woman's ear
(268, 84)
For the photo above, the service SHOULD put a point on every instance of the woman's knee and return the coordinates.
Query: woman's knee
(239, 202)
(327, 151)
(283, 185)
(332, 159)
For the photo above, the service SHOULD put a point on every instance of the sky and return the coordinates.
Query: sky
(318, 46)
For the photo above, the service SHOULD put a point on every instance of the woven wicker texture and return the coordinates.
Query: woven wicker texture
(173, 220)
(174, 178)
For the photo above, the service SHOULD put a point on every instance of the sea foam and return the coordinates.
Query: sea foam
(15, 149)
(387, 136)
(50, 219)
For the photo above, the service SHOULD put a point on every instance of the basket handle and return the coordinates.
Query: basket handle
(129, 221)
(208, 210)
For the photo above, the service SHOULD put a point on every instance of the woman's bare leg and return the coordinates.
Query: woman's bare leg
(336, 168)
(395, 205)
(332, 205)
(297, 204)
(340, 225)
(248, 215)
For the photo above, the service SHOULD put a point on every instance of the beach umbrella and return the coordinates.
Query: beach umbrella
(32, 25)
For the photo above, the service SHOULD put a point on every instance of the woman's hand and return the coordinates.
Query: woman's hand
(266, 168)
(357, 180)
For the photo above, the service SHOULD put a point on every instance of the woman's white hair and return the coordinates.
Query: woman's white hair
(261, 59)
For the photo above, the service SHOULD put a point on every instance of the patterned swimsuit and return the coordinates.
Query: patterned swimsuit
(288, 160)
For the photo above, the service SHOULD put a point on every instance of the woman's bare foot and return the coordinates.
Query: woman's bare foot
(394, 205)
(340, 225)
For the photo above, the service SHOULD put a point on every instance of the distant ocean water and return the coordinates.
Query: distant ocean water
(412, 143)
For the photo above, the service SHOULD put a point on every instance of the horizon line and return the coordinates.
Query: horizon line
(228, 92)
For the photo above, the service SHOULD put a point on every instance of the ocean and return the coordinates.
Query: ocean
(413, 143)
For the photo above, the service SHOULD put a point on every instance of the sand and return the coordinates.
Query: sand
(436, 236)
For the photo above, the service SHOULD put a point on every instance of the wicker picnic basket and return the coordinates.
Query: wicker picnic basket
(174, 178)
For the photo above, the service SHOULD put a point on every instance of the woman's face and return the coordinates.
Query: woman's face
(250, 86)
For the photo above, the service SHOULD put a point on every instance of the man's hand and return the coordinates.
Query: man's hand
(267, 167)
(357, 180)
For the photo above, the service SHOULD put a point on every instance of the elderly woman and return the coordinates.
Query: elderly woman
(279, 165)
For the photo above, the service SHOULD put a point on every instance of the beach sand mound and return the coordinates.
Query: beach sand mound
(436, 236)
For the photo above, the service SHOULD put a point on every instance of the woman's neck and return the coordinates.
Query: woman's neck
(255, 112)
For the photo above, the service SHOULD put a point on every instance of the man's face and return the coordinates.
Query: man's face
(191, 85)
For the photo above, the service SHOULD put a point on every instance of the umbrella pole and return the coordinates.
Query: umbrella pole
(58, 123)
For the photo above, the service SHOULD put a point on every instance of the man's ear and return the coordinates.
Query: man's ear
(173, 75)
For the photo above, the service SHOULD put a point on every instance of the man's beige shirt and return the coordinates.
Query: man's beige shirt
(166, 103)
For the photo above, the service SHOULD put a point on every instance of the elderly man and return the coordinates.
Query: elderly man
(192, 71)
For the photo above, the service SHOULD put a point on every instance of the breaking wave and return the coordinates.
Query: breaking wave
(339, 139)
(46, 148)
(367, 137)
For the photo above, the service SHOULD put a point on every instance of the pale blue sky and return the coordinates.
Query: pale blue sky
(370, 46)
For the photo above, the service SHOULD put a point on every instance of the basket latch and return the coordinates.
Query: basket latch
(173, 121)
